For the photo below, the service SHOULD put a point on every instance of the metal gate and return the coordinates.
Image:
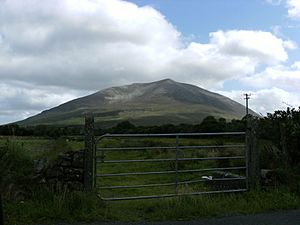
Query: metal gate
(143, 166)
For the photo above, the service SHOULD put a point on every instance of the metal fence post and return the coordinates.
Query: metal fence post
(176, 164)
(89, 152)
(252, 152)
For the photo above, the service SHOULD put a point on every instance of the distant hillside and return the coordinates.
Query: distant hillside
(155, 103)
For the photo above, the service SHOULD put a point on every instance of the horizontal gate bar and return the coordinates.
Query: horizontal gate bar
(171, 195)
(172, 134)
(169, 147)
(134, 148)
(170, 159)
(169, 184)
(167, 172)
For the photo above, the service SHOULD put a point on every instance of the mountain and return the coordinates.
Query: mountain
(156, 103)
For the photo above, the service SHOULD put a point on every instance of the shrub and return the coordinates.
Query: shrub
(16, 171)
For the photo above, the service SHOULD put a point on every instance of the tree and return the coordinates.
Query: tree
(123, 127)
(211, 124)
(283, 129)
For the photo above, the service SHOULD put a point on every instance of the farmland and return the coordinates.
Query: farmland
(28, 201)
(158, 155)
(49, 205)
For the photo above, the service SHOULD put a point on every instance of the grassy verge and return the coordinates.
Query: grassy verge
(47, 207)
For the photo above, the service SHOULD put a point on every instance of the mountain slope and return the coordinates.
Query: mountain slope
(160, 102)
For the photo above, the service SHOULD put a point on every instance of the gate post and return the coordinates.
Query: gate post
(253, 173)
(89, 151)
(282, 127)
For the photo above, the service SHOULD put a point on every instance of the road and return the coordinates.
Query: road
(291, 217)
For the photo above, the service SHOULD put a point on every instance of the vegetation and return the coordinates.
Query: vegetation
(161, 154)
(16, 169)
(282, 128)
(209, 124)
(27, 201)
(49, 207)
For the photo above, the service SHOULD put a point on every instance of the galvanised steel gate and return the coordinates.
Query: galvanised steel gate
(143, 166)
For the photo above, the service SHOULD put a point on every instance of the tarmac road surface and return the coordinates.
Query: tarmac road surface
(291, 217)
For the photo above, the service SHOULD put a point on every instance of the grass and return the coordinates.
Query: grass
(31, 145)
(187, 208)
(108, 168)
(35, 146)
(46, 205)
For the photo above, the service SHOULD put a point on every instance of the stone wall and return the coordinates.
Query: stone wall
(66, 171)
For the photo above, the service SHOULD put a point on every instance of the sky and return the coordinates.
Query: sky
(57, 50)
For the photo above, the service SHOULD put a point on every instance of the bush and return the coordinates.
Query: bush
(283, 129)
(16, 171)
(270, 157)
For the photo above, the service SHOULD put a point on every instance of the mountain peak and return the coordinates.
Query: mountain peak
(163, 81)
(167, 80)
(159, 102)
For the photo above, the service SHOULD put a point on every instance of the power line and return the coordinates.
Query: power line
(288, 104)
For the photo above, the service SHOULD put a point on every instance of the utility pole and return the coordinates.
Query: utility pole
(247, 97)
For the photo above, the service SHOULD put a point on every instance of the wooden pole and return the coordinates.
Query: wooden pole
(252, 154)
(283, 143)
(89, 153)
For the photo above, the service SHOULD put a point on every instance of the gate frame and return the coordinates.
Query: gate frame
(177, 147)
(251, 153)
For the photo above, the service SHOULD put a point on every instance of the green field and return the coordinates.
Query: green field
(154, 152)
(39, 147)
(46, 205)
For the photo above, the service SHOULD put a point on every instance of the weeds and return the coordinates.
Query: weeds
(16, 171)
(64, 206)
(47, 205)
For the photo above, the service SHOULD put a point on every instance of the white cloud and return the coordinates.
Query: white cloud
(274, 2)
(287, 78)
(275, 88)
(91, 39)
(296, 65)
(293, 9)
(91, 43)
(19, 101)
(266, 100)
(290, 44)
(205, 65)
(292, 5)
(260, 46)
(79, 46)
(231, 54)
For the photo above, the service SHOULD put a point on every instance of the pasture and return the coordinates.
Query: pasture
(48, 205)
(157, 166)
